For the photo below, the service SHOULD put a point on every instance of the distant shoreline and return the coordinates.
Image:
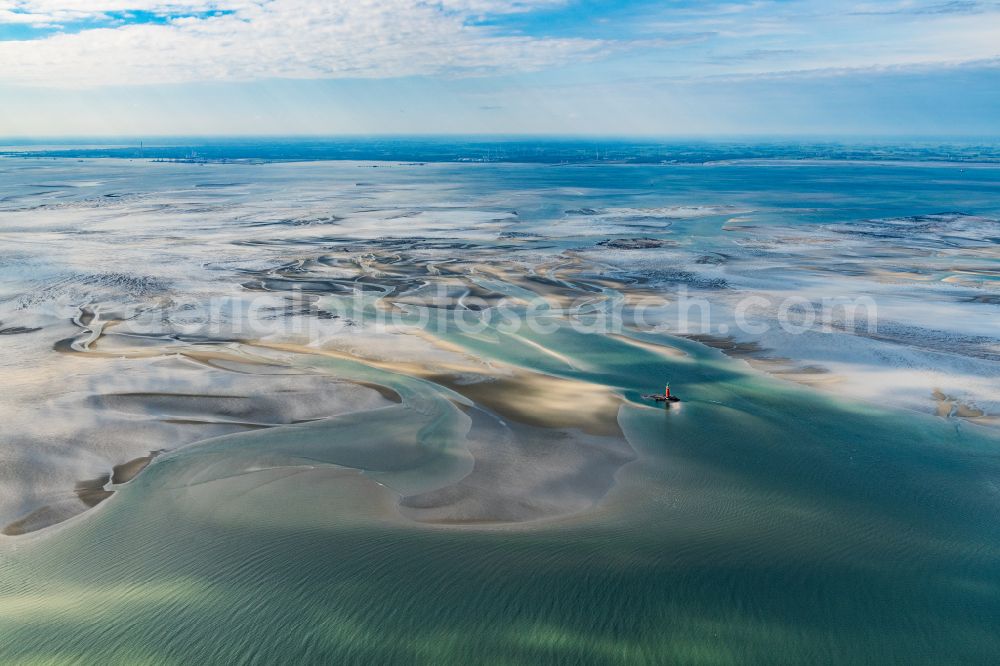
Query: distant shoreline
(510, 150)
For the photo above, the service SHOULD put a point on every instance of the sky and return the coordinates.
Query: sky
(578, 67)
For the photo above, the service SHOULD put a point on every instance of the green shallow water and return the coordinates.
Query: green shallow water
(760, 523)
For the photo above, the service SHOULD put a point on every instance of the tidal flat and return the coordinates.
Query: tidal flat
(324, 412)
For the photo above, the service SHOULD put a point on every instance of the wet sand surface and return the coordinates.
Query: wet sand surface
(297, 406)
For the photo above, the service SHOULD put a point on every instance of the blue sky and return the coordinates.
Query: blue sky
(160, 67)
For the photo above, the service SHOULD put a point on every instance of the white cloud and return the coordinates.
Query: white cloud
(48, 12)
(797, 37)
(317, 39)
(275, 39)
(8, 16)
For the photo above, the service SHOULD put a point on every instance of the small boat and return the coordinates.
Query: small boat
(664, 397)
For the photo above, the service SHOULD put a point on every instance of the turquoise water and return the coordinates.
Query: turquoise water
(762, 523)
